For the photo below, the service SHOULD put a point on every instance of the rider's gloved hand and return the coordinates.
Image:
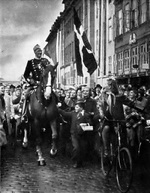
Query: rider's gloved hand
(59, 104)
(32, 82)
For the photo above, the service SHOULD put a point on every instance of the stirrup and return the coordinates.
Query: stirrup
(24, 119)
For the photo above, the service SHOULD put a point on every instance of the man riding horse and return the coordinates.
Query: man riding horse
(40, 74)
(32, 74)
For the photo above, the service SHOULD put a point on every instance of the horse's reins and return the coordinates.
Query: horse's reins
(35, 89)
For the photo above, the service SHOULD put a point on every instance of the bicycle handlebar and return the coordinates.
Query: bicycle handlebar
(114, 120)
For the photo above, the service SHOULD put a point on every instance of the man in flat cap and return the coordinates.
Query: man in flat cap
(33, 71)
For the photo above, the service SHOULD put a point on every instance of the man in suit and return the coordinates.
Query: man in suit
(92, 110)
(77, 117)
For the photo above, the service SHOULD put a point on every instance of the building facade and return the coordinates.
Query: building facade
(132, 42)
(67, 73)
(119, 34)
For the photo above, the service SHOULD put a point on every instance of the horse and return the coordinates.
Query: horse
(42, 111)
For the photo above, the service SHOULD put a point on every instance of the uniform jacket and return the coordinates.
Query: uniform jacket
(34, 68)
(75, 120)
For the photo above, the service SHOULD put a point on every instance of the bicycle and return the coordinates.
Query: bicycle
(119, 158)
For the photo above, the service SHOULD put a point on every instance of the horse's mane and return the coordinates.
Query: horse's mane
(47, 69)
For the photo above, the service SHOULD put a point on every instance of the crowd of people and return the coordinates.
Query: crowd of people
(80, 109)
(11, 98)
(83, 105)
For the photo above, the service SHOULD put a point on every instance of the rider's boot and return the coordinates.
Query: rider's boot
(24, 117)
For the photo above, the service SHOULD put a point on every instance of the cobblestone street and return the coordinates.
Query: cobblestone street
(20, 174)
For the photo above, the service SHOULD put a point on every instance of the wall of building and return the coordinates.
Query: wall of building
(135, 41)
(111, 49)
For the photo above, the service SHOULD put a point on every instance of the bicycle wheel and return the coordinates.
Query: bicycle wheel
(124, 169)
(106, 162)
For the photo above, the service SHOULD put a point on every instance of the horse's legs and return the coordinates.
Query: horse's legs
(25, 135)
(53, 150)
(25, 139)
(36, 126)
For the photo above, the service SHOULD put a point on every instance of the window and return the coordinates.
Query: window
(114, 27)
(79, 80)
(68, 78)
(114, 64)
(73, 52)
(126, 59)
(86, 80)
(119, 23)
(68, 28)
(86, 7)
(127, 18)
(68, 54)
(120, 61)
(86, 15)
(110, 29)
(98, 70)
(135, 57)
(97, 8)
(143, 55)
(109, 65)
(80, 14)
(97, 40)
(134, 14)
(143, 10)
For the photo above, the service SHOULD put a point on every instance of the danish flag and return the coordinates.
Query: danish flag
(83, 50)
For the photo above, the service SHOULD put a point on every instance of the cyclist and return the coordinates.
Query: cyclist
(112, 106)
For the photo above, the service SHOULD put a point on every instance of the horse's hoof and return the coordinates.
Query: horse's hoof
(53, 152)
(41, 163)
(25, 145)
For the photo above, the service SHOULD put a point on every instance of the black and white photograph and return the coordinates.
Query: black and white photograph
(74, 96)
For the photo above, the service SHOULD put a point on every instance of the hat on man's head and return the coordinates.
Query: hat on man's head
(12, 86)
(36, 47)
(98, 86)
(18, 87)
(80, 101)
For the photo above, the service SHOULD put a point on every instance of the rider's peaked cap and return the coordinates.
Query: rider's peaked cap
(80, 101)
(36, 47)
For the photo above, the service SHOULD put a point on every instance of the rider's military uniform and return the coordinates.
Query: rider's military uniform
(34, 68)
(32, 75)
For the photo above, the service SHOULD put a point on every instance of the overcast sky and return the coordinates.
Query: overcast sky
(23, 24)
